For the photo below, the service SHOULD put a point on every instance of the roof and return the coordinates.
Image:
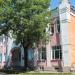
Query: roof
(55, 12)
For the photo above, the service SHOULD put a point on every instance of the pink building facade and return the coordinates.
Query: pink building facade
(58, 54)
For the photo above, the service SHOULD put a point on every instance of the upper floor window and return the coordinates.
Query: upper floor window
(58, 26)
(51, 29)
(58, 21)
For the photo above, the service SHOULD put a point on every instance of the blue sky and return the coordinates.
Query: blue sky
(55, 3)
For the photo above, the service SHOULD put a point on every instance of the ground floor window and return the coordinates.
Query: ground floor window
(30, 54)
(56, 52)
(42, 54)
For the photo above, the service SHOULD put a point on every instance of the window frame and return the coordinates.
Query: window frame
(54, 55)
(51, 29)
(58, 25)
(40, 54)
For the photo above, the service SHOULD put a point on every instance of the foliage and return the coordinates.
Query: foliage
(27, 18)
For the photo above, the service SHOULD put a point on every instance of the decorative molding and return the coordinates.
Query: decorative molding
(63, 10)
(72, 14)
(64, 21)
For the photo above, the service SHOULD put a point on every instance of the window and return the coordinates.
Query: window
(0, 57)
(30, 54)
(42, 54)
(51, 29)
(58, 26)
(58, 21)
(56, 52)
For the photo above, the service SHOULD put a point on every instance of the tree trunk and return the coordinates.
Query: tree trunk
(25, 57)
(25, 46)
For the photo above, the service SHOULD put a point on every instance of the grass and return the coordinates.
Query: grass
(37, 73)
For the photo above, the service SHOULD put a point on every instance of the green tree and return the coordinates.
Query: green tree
(27, 18)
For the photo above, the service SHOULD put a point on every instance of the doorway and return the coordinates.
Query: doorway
(16, 57)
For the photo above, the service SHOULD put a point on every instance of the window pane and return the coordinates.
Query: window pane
(39, 54)
(58, 47)
(58, 28)
(54, 47)
(53, 55)
(57, 54)
(44, 53)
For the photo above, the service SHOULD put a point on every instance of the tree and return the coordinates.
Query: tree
(27, 18)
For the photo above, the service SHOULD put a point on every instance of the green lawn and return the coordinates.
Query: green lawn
(47, 74)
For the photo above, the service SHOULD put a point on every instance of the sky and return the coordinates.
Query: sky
(55, 3)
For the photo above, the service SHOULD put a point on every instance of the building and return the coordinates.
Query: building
(59, 52)
(11, 54)
(2, 51)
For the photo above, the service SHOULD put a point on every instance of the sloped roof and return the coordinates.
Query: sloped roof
(55, 12)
